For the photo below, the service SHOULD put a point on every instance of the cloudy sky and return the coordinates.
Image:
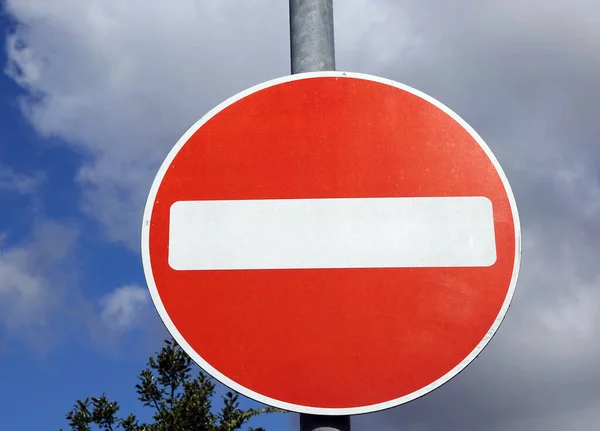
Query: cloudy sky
(95, 92)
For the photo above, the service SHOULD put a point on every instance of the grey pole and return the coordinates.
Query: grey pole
(311, 35)
(312, 49)
(324, 423)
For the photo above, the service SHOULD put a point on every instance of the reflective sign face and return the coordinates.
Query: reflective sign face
(331, 243)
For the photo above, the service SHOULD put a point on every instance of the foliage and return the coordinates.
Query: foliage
(180, 401)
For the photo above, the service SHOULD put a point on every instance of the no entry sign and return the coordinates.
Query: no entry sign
(331, 243)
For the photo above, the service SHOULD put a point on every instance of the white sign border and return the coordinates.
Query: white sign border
(282, 404)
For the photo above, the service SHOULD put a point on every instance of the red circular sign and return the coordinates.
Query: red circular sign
(331, 243)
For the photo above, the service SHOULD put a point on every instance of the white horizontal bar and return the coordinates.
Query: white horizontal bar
(332, 233)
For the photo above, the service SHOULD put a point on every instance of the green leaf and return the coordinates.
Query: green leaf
(179, 394)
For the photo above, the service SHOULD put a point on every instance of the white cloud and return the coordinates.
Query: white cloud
(33, 279)
(123, 307)
(42, 300)
(121, 81)
(20, 183)
(22, 292)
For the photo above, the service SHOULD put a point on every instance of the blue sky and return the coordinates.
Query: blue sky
(94, 93)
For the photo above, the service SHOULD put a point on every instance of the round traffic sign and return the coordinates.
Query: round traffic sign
(331, 243)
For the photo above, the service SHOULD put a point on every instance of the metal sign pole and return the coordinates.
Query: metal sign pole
(324, 423)
(311, 35)
(312, 49)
